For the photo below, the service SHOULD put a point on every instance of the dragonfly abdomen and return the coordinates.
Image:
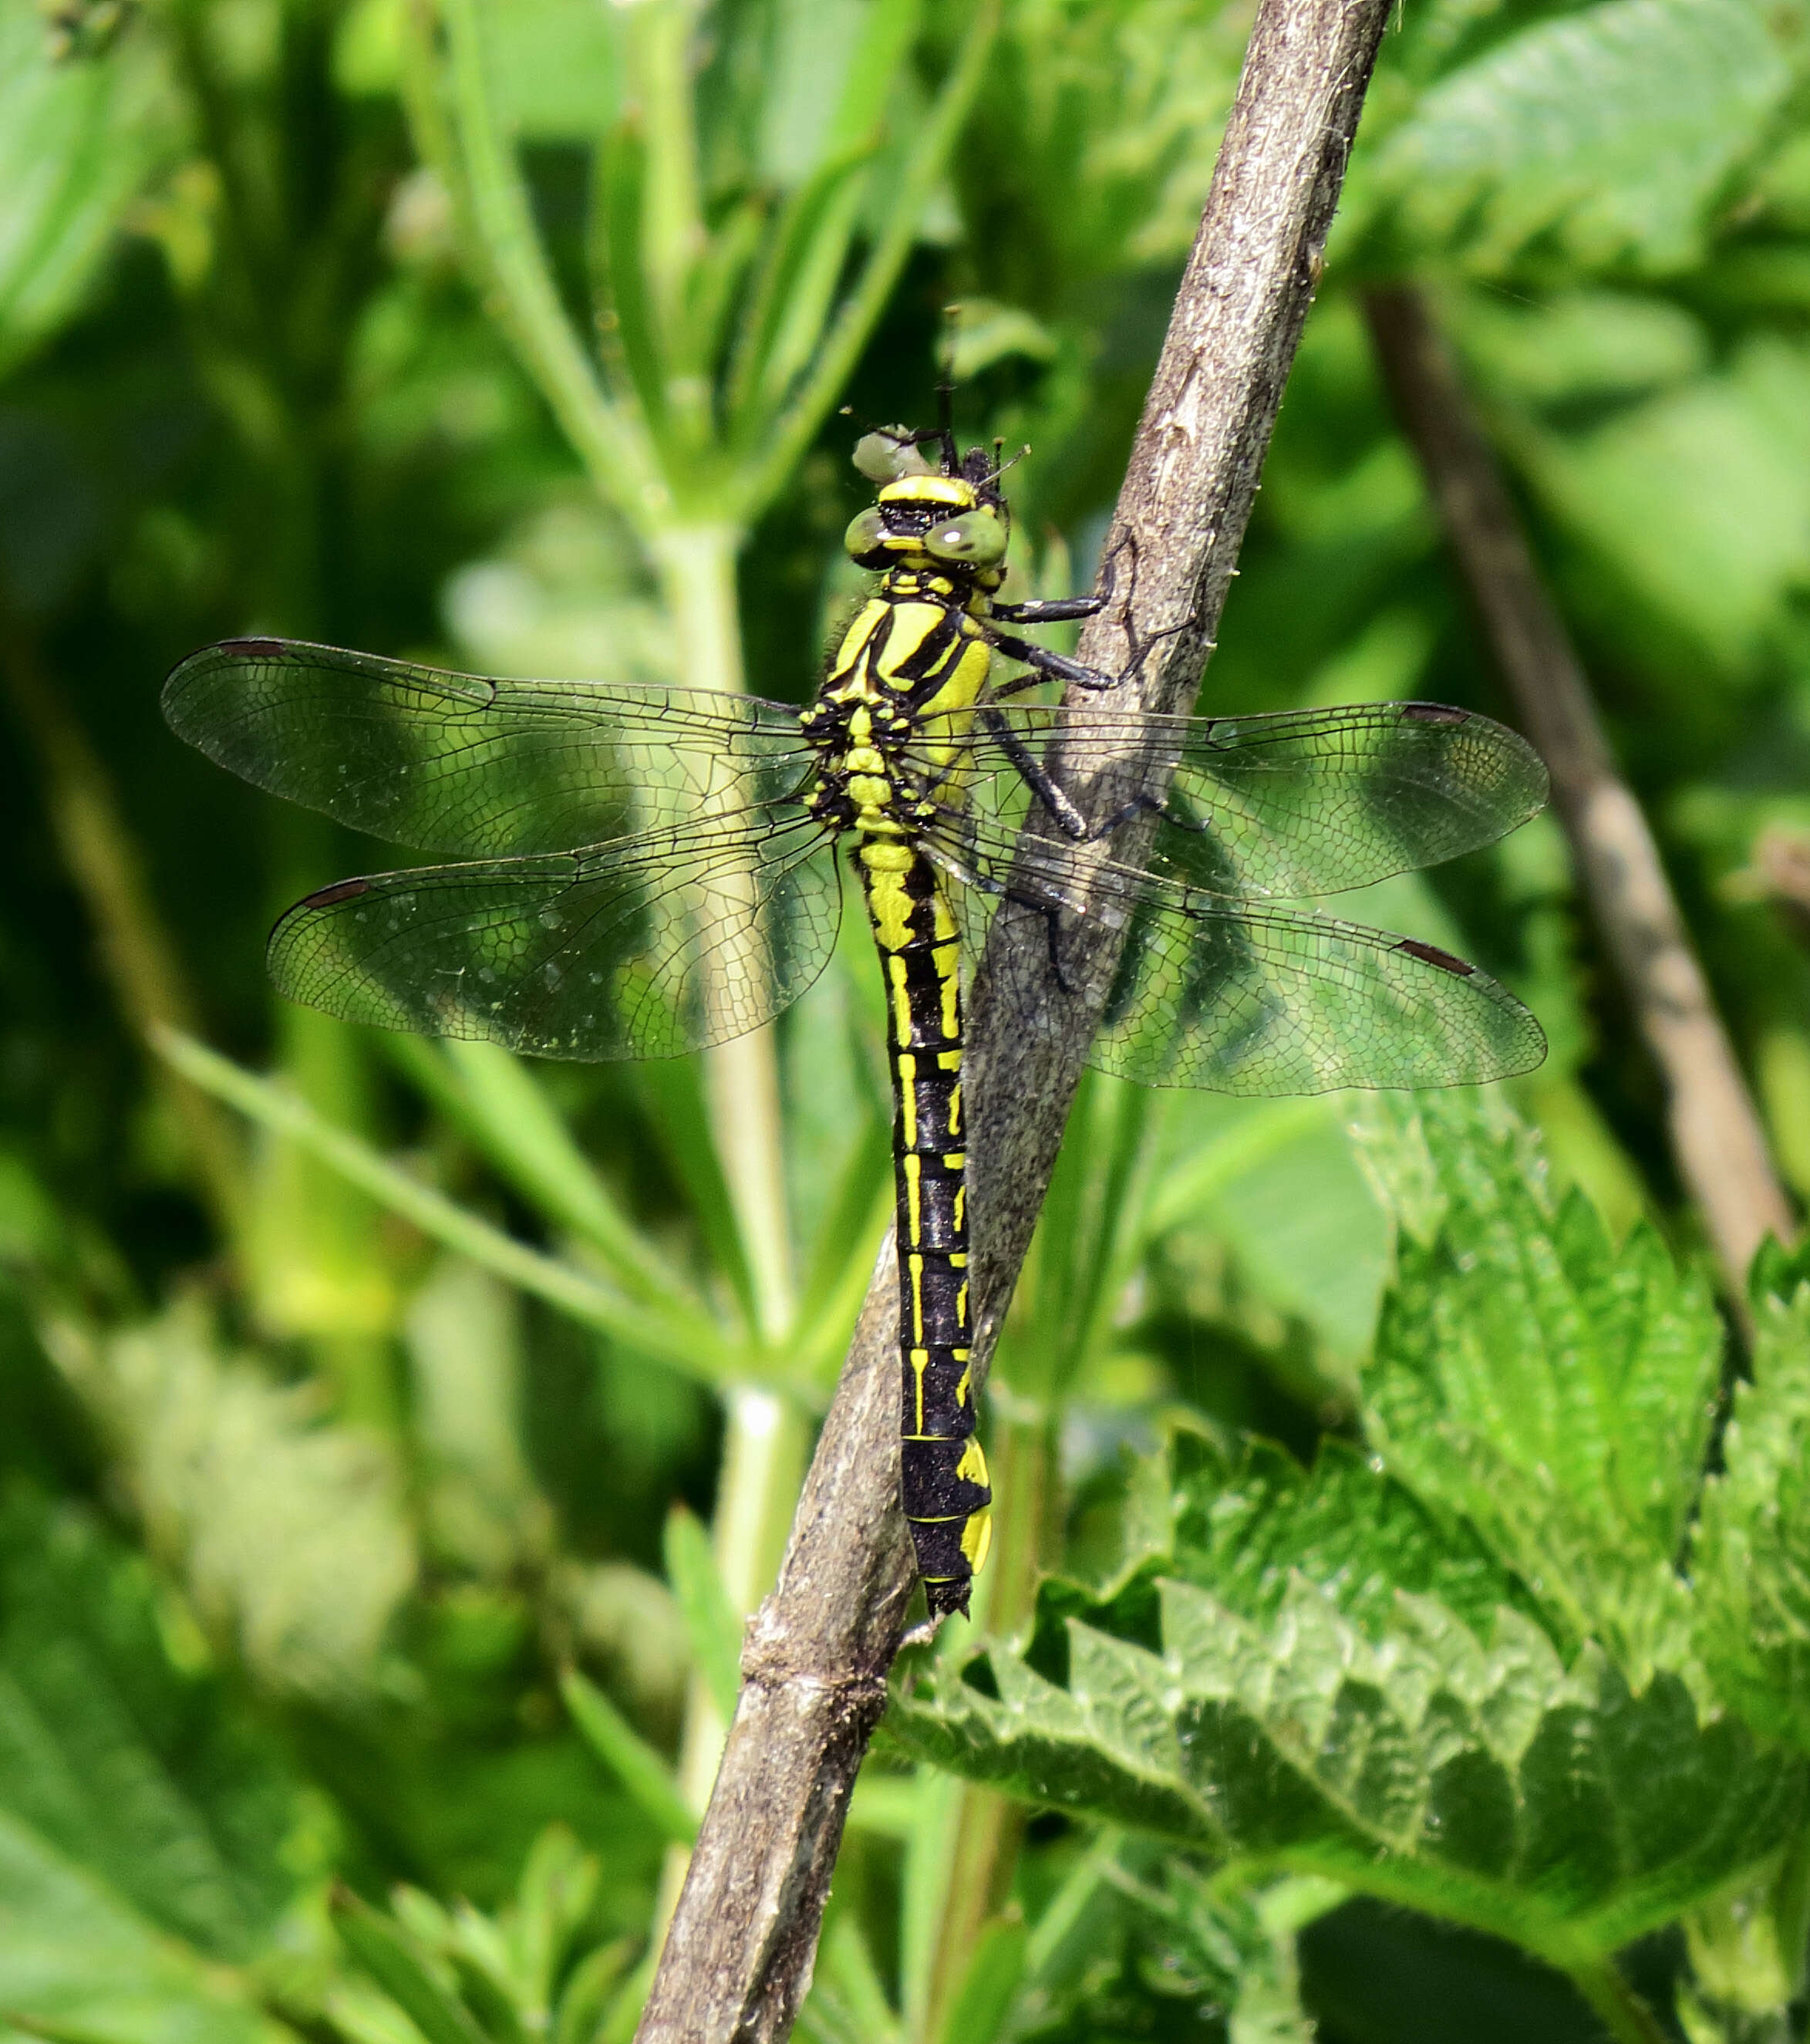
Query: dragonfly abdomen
(943, 1477)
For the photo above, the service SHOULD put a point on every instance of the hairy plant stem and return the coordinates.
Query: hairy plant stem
(764, 1435)
(738, 1958)
(1624, 2014)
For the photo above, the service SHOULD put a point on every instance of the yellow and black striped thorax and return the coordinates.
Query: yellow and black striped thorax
(888, 726)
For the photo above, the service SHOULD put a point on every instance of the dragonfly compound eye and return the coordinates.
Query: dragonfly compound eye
(865, 538)
(976, 540)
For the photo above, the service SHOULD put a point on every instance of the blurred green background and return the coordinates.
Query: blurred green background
(390, 1434)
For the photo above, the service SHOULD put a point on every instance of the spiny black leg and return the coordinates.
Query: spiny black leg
(1061, 610)
(1041, 658)
(1068, 818)
(1061, 806)
(1000, 890)
(1052, 930)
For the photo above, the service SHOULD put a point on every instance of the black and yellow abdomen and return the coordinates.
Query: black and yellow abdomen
(943, 1472)
(913, 663)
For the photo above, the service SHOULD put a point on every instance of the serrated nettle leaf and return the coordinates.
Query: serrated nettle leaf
(1555, 1390)
(148, 1840)
(1243, 1528)
(1003, 1724)
(1600, 139)
(136, 1775)
(77, 1959)
(1478, 1778)
(1751, 1553)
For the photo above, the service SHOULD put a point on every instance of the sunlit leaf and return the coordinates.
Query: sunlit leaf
(78, 139)
(1596, 138)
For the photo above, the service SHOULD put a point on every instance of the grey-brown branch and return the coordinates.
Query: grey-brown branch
(737, 1956)
(1716, 1134)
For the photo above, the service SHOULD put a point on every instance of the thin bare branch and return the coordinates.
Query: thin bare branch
(1715, 1133)
(738, 1956)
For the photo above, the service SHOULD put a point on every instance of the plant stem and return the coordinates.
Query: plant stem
(1624, 2014)
(791, 433)
(611, 444)
(136, 954)
(688, 1344)
(765, 1438)
(739, 1954)
(1716, 1134)
(697, 568)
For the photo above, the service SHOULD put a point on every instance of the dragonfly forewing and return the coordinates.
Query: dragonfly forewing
(1293, 806)
(467, 766)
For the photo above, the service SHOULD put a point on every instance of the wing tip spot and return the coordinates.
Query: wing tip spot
(329, 897)
(1431, 955)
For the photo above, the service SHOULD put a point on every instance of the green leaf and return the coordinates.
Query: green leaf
(502, 1103)
(78, 1959)
(1244, 1531)
(672, 1334)
(78, 139)
(588, 1991)
(1554, 1389)
(1478, 1780)
(394, 1959)
(148, 1840)
(847, 2003)
(1696, 505)
(978, 2013)
(1750, 1555)
(1598, 139)
(135, 1776)
(710, 1620)
(641, 1770)
(619, 205)
(559, 1881)
(288, 1531)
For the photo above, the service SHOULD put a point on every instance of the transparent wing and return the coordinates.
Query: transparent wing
(644, 948)
(1244, 998)
(1306, 802)
(458, 764)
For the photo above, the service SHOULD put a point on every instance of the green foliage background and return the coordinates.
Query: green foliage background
(1400, 1629)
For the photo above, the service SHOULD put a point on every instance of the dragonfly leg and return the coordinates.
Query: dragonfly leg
(1068, 819)
(1061, 610)
(1047, 663)
(973, 875)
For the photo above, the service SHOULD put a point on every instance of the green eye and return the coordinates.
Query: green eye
(867, 534)
(889, 455)
(977, 540)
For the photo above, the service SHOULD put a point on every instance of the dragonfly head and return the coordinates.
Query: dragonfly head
(926, 519)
